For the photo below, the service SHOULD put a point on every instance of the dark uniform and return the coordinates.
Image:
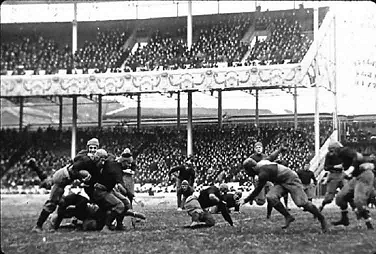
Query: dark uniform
(231, 200)
(128, 162)
(61, 178)
(114, 205)
(336, 178)
(129, 168)
(261, 199)
(110, 195)
(196, 205)
(306, 176)
(75, 205)
(89, 190)
(186, 172)
(359, 188)
(285, 180)
(185, 192)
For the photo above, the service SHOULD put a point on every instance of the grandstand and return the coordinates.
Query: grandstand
(268, 46)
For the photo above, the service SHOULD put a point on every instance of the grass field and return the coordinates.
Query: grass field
(163, 232)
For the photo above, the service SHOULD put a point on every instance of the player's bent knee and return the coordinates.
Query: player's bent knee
(329, 198)
(340, 201)
(89, 225)
(208, 219)
(260, 201)
(127, 204)
(195, 216)
(119, 208)
(272, 200)
(360, 202)
(50, 206)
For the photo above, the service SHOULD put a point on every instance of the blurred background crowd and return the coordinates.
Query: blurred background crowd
(218, 152)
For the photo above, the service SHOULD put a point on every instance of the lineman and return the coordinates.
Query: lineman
(359, 188)
(285, 180)
(196, 205)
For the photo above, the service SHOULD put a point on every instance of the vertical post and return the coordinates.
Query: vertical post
(189, 126)
(317, 109)
(100, 111)
(220, 108)
(60, 112)
(218, 5)
(21, 113)
(295, 108)
(138, 111)
(1, 112)
(189, 25)
(177, 9)
(335, 114)
(178, 111)
(74, 28)
(257, 110)
(74, 126)
(136, 11)
(340, 126)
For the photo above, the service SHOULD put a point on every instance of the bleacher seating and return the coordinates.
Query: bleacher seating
(217, 42)
(218, 152)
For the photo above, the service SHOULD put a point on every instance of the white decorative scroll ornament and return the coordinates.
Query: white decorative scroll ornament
(145, 82)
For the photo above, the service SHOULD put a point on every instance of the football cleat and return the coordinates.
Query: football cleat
(324, 225)
(343, 221)
(288, 221)
(36, 229)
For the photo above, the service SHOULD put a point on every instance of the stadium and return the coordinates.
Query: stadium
(168, 86)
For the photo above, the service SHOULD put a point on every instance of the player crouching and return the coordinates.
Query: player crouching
(197, 203)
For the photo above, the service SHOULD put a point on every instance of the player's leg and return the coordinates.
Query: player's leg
(260, 199)
(335, 180)
(286, 200)
(208, 218)
(342, 199)
(194, 210)
(310, 192)
(49, 207)
(269, 209)
(362, 192)
(65, 202)
(273, 198)
(178, 194)
(296, 190)
(112, 205)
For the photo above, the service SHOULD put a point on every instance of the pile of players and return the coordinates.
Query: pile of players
(102, 199)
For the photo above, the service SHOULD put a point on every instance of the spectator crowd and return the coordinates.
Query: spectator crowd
(218, 152)
(215, 43)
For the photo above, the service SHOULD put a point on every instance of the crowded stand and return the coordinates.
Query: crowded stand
(286, 44)
(42, 56)
(216, 42)
(218, 152)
